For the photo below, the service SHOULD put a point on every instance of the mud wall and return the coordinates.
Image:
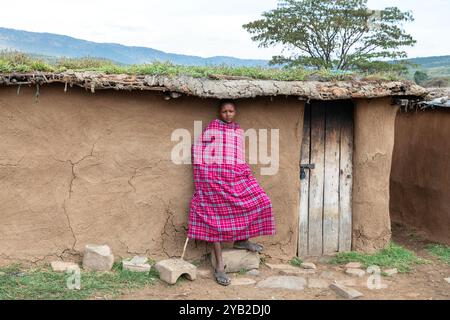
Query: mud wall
(374, 141)
(420, 180)
(78, 168)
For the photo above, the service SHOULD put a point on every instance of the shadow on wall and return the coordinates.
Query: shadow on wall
(420, 177)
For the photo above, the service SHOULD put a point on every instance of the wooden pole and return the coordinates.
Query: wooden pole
(184, 249)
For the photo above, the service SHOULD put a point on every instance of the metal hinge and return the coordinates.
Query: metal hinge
(309, 166)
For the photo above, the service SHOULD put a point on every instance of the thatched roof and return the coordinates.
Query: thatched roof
(222, 87)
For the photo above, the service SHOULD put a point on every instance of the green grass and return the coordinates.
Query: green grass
(242, 271)
(42, 283)
(296, 261)
(12, 61)
(393, 256)
(441, 251)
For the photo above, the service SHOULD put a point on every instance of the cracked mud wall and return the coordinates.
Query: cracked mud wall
(420, 180)
(78, 168)
(374, 141)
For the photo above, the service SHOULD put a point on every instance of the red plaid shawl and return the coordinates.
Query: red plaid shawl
(228, 203)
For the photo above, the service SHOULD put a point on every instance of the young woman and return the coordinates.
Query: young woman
(228, 204)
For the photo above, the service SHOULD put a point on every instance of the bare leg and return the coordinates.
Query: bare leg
(217, 248)
(219, 272)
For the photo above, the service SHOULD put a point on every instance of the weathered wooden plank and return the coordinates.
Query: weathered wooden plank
(304, 185)
(316, 180)
(331, 179)
(346, 180)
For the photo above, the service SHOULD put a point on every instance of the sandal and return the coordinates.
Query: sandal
(254, 247)
(222, 278)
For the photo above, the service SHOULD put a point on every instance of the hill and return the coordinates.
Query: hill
(54, 45)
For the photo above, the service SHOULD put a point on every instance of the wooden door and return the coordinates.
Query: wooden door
(325, 214)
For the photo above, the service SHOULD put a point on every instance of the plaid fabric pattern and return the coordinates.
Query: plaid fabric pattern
(228, 203)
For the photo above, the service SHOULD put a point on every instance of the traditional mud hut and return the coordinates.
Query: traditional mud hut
(80, 165)
(420, 180)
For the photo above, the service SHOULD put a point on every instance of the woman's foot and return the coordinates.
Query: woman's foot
(245, 244)
(222, 278)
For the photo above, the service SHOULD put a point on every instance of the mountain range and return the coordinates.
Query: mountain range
(55, 45)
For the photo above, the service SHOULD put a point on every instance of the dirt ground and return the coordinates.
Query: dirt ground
(426, 282)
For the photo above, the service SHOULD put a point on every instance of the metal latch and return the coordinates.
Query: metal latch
(303, 167)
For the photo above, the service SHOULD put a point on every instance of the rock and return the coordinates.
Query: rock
(355, 272)
(137, 264)
(329, 275)
(447, 279)
(97, 258)
(242, 282)
(315, 283)
(353, 265)
(287, 269)
(296, 271)
(273, 266)
(308, 265)
(283, 282)
(237, 260)
(346, 282)
(170, 270)
(139, 260)
(343, 291)
(254, 273)
(62, 266)
(390, 272)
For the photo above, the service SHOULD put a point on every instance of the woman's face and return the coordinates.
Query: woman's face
(227, 112)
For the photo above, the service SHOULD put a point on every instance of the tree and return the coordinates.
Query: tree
(332, 34)
(420, 77)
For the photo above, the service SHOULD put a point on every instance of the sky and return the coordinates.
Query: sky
(196, 27)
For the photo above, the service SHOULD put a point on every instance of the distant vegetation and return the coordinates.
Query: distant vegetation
(13, 61)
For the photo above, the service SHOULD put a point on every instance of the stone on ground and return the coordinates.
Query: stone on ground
(137, 264)
(63, 266)
(355, 272)
(97, 258)
(353, 265)
(287, 269)
(308, 265)
(242, 282)
(296, 271)
(316, 283)
(236, 260)
(171, 269)
(447, 279)
(346, 282)
(283, 282)
(273, 266)
(343, 291)
(329, 275)
(390, 272)
(139, 260)
(254, 273)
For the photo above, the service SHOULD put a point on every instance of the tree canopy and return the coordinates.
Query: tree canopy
(333, 34)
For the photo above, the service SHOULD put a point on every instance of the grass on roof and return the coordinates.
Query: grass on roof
(13, 61)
